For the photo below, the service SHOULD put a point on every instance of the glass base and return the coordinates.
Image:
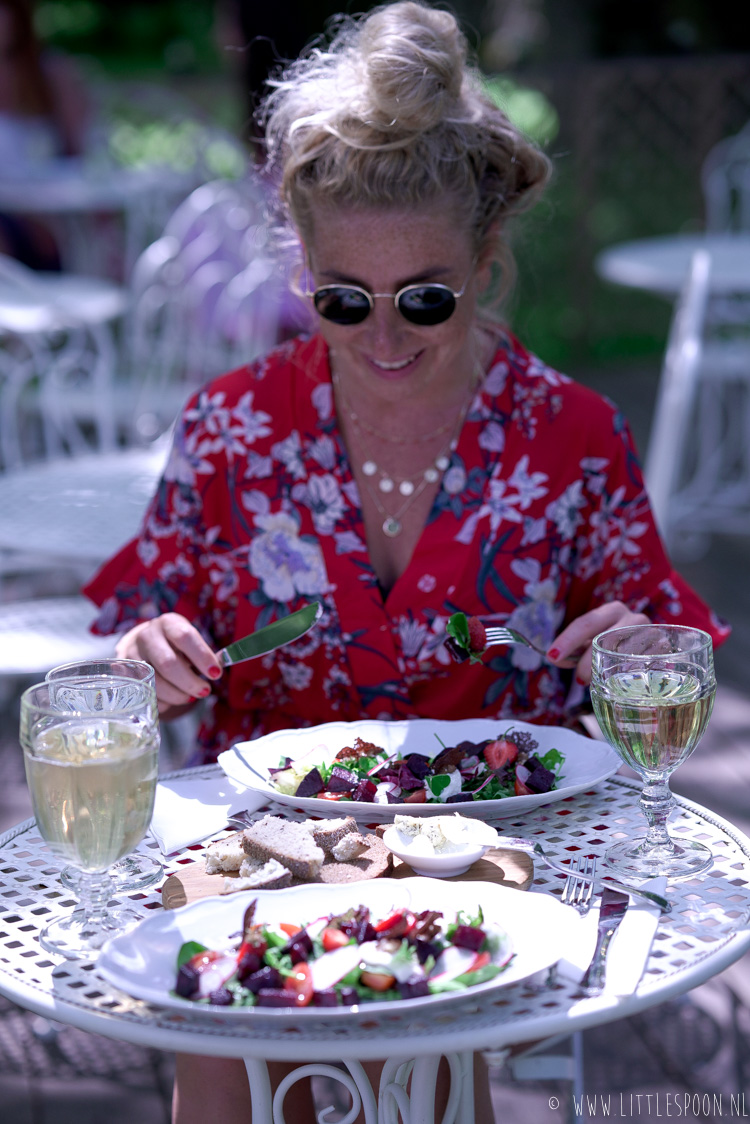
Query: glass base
(634, 859)
(74, 937)
(134, 872)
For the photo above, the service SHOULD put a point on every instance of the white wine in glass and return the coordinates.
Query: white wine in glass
(92, 778)
(652, 689)
(74, 685)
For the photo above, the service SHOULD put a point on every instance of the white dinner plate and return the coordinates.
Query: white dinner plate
(587, 762)
(143, 961)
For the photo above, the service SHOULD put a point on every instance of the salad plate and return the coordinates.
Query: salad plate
(143, 961)
(586, 763)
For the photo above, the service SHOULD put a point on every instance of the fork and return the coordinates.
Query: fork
(579, 885)
(499, 634)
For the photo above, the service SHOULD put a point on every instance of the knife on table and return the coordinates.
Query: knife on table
(611, 912)
(272, 636)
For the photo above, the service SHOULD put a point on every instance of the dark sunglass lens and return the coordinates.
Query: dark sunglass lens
(427, 304)
(342, 305)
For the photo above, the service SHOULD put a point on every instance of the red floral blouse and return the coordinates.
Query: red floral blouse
(540, 516)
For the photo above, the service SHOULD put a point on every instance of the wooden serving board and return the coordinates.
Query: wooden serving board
(506, 868)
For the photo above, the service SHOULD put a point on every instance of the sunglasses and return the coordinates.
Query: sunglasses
(424, 305)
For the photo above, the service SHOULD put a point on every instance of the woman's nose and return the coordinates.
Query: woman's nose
(385, 321)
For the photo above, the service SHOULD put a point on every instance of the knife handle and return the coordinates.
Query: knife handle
(592, 980)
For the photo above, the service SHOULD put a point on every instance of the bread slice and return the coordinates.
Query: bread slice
(351, 846)
(327, 833)
(287, 841)
(225, 855)
(253, 875)
(374, 862)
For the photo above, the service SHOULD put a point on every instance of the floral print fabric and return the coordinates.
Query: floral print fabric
(540, 516)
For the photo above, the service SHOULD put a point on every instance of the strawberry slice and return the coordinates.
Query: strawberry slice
(301, 983)
(477, 635)
(333, 938)
(500, 753)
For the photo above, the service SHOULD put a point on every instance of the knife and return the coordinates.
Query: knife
(272, 636)
(611, 913)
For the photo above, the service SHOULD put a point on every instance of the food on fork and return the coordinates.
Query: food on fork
(467, 638)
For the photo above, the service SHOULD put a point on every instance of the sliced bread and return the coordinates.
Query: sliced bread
(287, 841)
(271, 875)
(327, 833)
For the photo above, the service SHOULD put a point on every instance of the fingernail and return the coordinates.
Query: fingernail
(204, 692)
(214, 672)
(554, 653)
(579, 681)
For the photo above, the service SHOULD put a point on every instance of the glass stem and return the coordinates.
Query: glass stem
(656, 804)
(94, 892)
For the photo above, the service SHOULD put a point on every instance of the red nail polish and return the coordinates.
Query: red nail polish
(204, 692)
(554, 653)
(579, 681)
(214, 672)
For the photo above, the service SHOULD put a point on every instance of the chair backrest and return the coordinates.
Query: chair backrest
(725, 177)
(49, 349)
(206, 297)
(676, 395)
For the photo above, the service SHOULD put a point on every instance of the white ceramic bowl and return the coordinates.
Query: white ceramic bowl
(443, 864)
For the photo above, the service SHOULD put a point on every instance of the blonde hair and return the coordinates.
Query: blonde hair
(391, 114)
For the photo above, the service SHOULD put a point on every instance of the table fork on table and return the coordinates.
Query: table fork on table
(579, 885)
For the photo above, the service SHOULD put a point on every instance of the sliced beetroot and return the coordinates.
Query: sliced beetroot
(360, 929)
(281, 768)
(541, 780)
(276, 997)
(459, 798)
(414, 987)
(299, 947)
(349, 996)
(263, 980)
(187, 981)
(394, 796)
(222, 997)
(532, 762)
(342, 780)
(311, 784)
(249, 962)
(408, 780)
(328, 997)
(467, 936)
(365, 790)
(418, 764)
(455, 650)
(426, 949)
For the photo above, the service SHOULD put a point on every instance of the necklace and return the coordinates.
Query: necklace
(411, 487)
(387, 437)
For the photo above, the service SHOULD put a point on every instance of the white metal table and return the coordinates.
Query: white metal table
(708, 930)
(80, 509)
(661, 265)
(70, 192)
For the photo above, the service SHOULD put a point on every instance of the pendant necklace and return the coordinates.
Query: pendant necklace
(410, 487)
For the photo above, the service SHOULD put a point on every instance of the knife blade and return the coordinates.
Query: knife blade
(272, 636)
(611, 912)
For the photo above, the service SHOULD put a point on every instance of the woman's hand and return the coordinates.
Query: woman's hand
(178, 654)
(572, 647)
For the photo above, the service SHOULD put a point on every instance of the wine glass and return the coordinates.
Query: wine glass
(91, 771)
(73, 684)
(653, 687)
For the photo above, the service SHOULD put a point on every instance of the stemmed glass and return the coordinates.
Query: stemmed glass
(73, 685)
(91, 767)
(653, 687)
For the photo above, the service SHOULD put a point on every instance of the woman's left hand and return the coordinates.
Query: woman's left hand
(572, 647)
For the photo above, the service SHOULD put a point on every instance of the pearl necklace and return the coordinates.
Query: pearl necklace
(411, 487)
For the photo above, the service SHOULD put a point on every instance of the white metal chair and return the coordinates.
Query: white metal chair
(725, 178)
(698, 462)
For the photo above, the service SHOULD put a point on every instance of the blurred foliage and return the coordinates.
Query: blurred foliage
(529, 110)
(133, 36)
(134, 143)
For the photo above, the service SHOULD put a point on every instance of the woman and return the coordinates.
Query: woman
(408, 460)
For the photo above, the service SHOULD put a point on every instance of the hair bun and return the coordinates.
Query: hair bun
(413, 60)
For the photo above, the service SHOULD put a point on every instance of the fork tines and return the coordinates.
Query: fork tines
(579, 884)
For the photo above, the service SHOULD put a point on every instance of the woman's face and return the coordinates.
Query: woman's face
(386, 357)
